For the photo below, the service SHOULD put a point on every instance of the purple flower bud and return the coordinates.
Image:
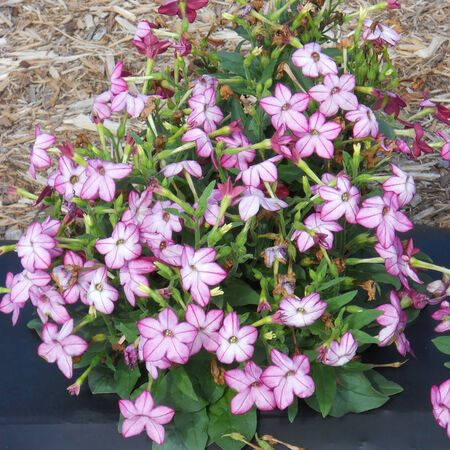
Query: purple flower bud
(131, 356)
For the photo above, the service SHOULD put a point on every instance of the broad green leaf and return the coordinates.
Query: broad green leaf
(36, 325)
(442, 343)
(382, 384)
(101, 380)
(187, 431)
(125, 379)
(184, 383)
(223, 422)
(92, 351)
(335, 303)
(361, 319)
(203, 199)
(447, 364)
(385, 128)
(129, 329)
(293, 409)
(232, 62)
(325, 381)
(363, 337)
(238, 293)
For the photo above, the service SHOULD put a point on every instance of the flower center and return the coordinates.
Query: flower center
(301, 310)
(335, 90)
(286, 106)
(315, 56)
(99, 287)
(255, 384)
(290, 373)
(233, 340)
(314, 132)
(163, 245)
(345, 197)
(120, 242)
(385, 210)
(166, 217)
(73, 179)
(101, 170)
(168, 333)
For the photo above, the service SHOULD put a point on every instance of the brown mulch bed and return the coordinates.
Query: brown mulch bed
(56, 56)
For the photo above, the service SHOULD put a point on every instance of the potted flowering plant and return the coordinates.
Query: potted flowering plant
(231, 245)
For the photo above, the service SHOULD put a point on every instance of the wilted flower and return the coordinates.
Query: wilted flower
(340, 352)
(376, 31)
(39, 157)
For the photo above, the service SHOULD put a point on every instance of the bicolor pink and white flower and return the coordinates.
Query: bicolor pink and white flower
(258, 173)
(118, 84)
(207, 325)
(138, 207)
(402, 184)
(142, 413)
(288, 377)
(445, 149)
(100, 294)
(335, 92)
(152, 366)
(440, 399)
(198, 271)
(203, 83)
(318, 137)
(380, 33)
(235, 342)
(251, 389)
(443, 316)
(70, 178)
(191, 167)
(238, 160)
(24, 281)
(342, 200)
(133, 101)
(123, 245)
(252, 199)
(202, 141)
(340, 352)
(166, 337)
(49, 303)
(7, 305)
(297, 312)
(286, 109)
(61, 345)
(313, 62)
(162, 222)
(382, 213)
(39, 158)
(365, 122)
(132, 276)
(204, 110)
(101, 109)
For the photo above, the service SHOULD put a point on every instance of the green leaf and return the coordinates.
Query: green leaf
(447, 364)
(363, 318)
(187, 431)
(442, 343)
(125, 379)
(363, 337)
(386, 129)
(223, 422)
(183, 382)
(238, 293)
(36, 325)
(382, 384)
(203, 199)
(101, 380)
(289, 173)
(336, 303)
(325, 381)
(293, 409)
(232, 62)
(129, 329)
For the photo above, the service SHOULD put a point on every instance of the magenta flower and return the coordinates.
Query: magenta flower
(401, 184)
(143, 414)
(132, 276)
(118, 84)
(365, 122)
(390, 102)
(318, 137)
(34, 248)
(322, 233)
(251, 201)
(207, 326)
(335, 93)
(183, 48)
(198, 271)
(393, 4)
(132, 100)
(313, 62)
(203, 83)
(100, 109)
(100, 179)
(171, 8)
(147, 43)
(39, 158)
(286, 109)
(7, 305)
(339, 201)
(281, 142)
(238, 160)
(341, 352)
(258, 173)
(445, 149)
(61, 345)
(122, 246)
(443, 315)
(393, 322)
(380, 33)
(49, 303)
(191, 167)
(70, 178)
(100, 294)
(235, 343)
(251, 389)
(383, 214)
(202, 141)
(288, 377)
(166, 337)
(440, 399)
(297, 312)
(138, 207)
(205, 111)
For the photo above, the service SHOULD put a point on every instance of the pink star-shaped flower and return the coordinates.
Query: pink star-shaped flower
(401, 184)
(365, 122)
(340, 352)
(313, 62)
(204, 110)
(99, 293)
(39, 158)
(132, 276)
(297, 312)
(238, 160)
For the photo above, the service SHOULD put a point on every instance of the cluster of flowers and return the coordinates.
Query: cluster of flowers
(147, 235)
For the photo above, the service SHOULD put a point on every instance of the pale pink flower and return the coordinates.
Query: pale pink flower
(7, 305)
(341, 352)
(118, 84)
(264, 171)
(152, 366)
(49, 303)
(204, 110)
(440, 289)
(235, 342)
(440, 399)
(322, 233)
(365, 122)
(133, 101)
(251, 200)
(281, 142)
(39, 158)
(100, 294)
(203, 83)
(160, 221)
(339, 201)
(445, 149)
(251, 389)
(61, 345)
(138, 207)
(382, 214)
(238, 160)
(334, 93)
(70, 178)
(297, 312)
(132, 276)
(198, 271)
(402, 184)
(191, 167)
(100, 179)
(166, 337)
(101, 109)
(164, 249)
(317, 138)
(202, 141)
(443, 315)
(286, 109)
(288, 377)
(23, 282)
(122, 246)
(213, 208)
(143, 414)
(313, 62)
(207, 326)
(379, 32)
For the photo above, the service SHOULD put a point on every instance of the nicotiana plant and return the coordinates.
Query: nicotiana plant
(234, 244)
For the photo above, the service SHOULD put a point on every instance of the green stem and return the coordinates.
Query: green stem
(331, 265)
(425, 265)
(148, 71)
(304, 166)
(356, 261)
(85, 321)
(4, 290)
(8, 248)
